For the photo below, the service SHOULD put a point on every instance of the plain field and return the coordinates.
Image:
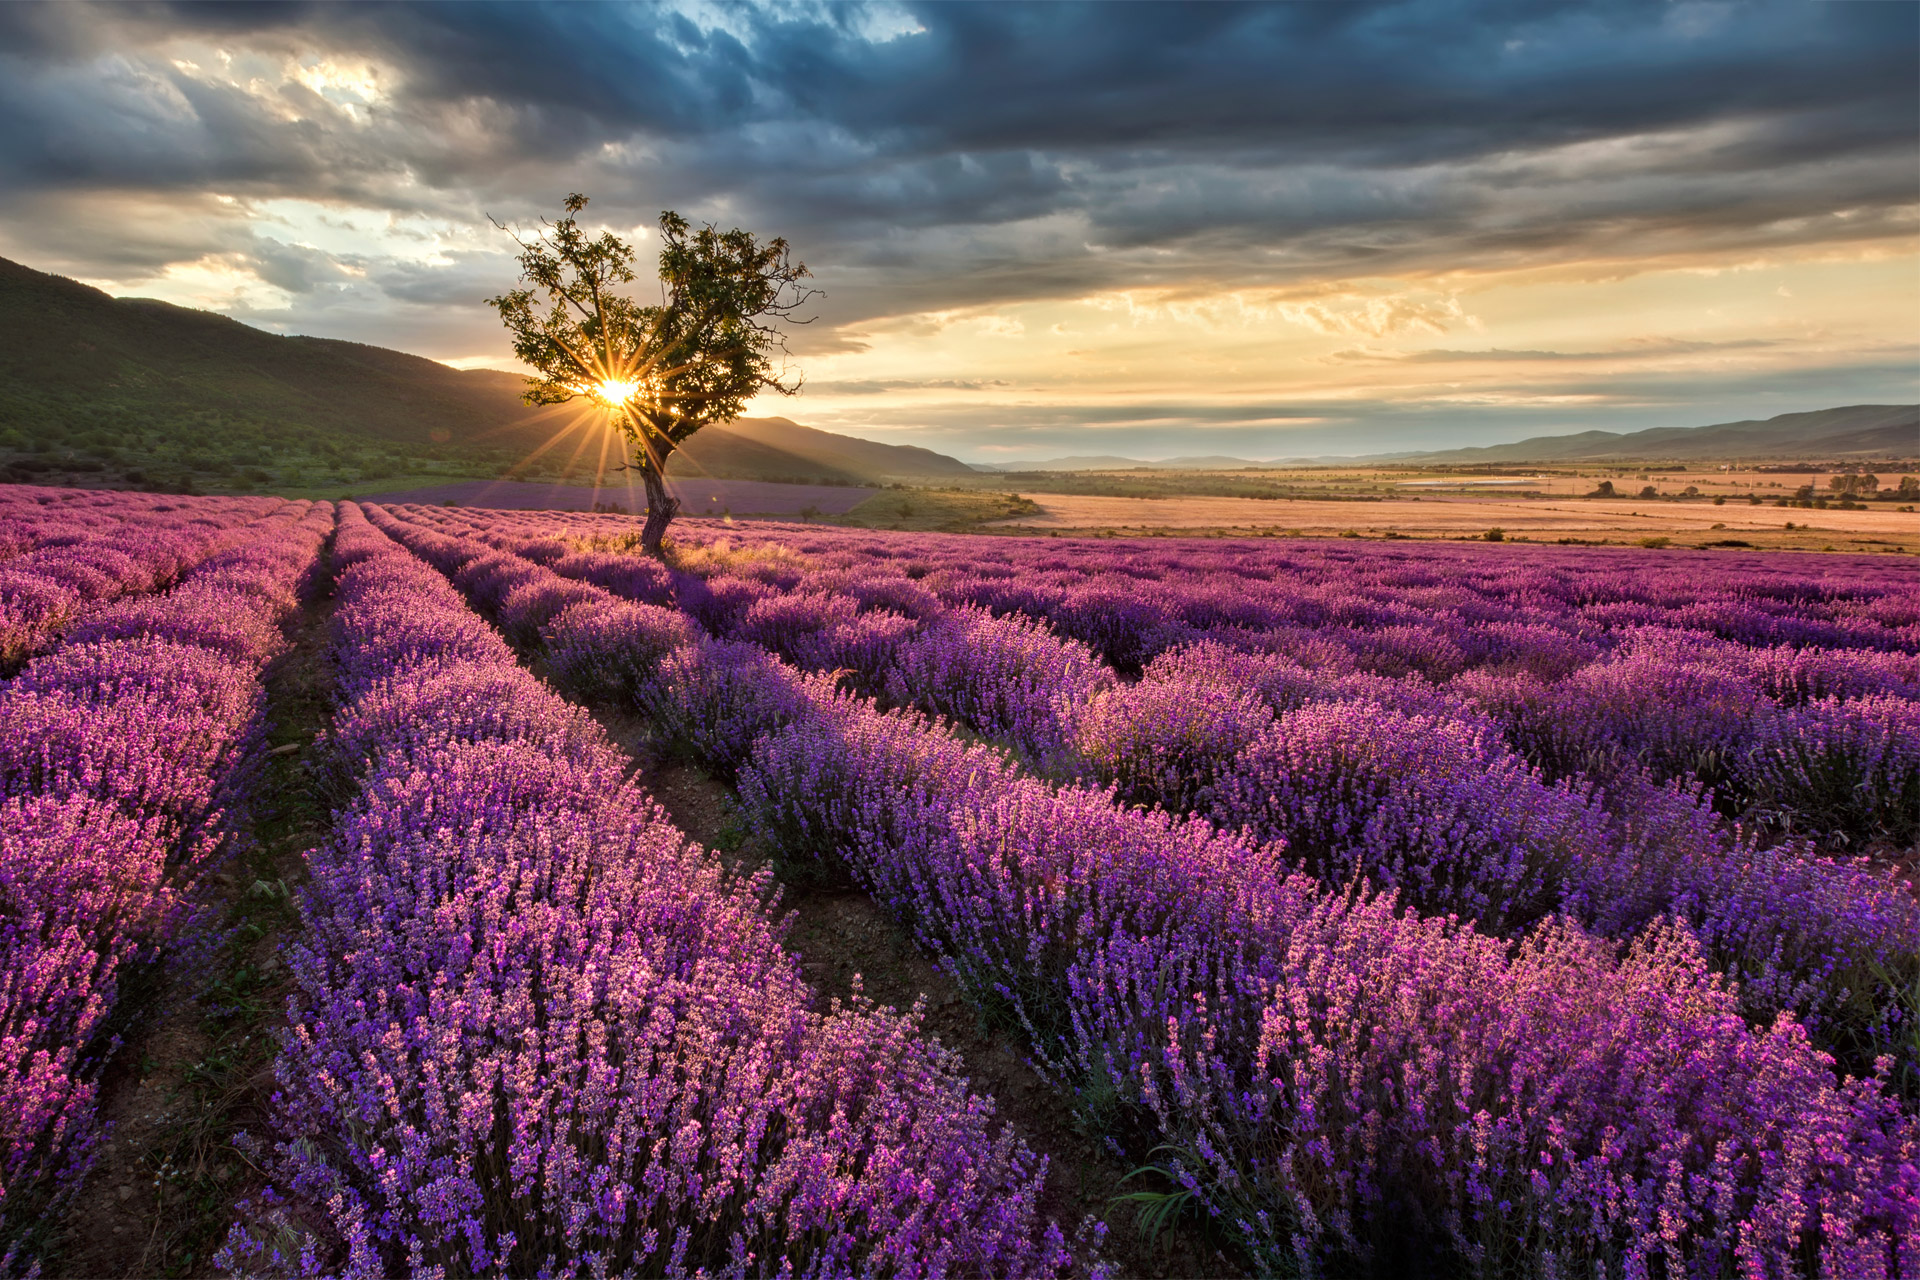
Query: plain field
(1436, 516)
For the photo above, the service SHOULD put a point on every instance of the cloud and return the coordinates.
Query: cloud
(1158, 125)
(1348, 171)
(882, 386)
(1376, 317)
(1643, 349)
(1372, 422)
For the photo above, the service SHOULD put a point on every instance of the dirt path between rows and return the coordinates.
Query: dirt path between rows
(160, 1199)
(841, 937)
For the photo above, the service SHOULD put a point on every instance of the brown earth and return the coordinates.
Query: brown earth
(1434, 516)
(159, 1200)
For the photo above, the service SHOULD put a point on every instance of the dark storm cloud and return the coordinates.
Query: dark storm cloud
(469, 278)
(932, 157)
(1156, 124)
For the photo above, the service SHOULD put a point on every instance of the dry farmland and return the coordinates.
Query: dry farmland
(1881, 527)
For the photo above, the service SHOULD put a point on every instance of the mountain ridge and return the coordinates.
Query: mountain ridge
(1860, 430)
(1848, 432)
(94, 388)
(90, 383)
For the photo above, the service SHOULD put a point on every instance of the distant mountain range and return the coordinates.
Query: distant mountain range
(1856, 432)
(1108, 462)
(1861, 432)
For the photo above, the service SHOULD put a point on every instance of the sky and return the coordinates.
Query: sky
(1281, 230)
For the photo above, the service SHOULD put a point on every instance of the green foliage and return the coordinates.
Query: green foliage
(131, 392)
(693, 359)
(1863, 485)
(944, 510)
(1155, 1211)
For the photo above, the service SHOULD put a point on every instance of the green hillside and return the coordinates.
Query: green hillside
(98, 390)
(779, 449)
(130, 390)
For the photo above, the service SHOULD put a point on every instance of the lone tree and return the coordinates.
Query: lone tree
(664, 371)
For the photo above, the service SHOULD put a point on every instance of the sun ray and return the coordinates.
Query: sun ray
(506, 427)
(586, 437)
(615, 393)
(600, 470)
(584, 417)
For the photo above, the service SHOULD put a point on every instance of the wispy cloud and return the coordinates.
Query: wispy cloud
(1634, 349)
(881, 386)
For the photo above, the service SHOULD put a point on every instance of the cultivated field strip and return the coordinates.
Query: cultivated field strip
(1402, 783)
(539, 1032)
(71, 561)
(33, 516)
(1334, 1077)
(1765, 678)
(117, 752)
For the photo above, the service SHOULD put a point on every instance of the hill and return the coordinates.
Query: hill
(780, 449)
(92, 384)
(1853, 433)
(77, 353)
(1109, 462)
(99, 389)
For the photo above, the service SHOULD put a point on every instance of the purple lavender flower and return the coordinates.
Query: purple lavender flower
(538, 1031)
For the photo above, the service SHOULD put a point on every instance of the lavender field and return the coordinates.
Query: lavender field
(1456, 910)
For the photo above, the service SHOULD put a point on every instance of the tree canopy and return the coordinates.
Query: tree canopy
(661, 370)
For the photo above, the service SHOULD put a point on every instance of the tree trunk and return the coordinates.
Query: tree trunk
(661, 509)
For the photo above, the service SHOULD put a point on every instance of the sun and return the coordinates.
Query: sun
(615, 391)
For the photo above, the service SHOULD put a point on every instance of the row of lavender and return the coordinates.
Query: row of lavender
(1462, 605)
(35, 515)
(1785, 689)
(1397, 782)
(1328, 1074)
(1781, 683)
(1479, 601)
(65, 558)
(538, 1032)
(118, 752)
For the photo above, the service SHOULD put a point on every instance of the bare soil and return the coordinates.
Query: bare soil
(160, 1198)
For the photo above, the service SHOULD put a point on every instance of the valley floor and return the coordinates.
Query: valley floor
(1626, 520)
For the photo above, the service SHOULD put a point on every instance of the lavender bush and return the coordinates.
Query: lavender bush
(117, 752)
(557, 1039)
(1331, 1075)
(1457, 829)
